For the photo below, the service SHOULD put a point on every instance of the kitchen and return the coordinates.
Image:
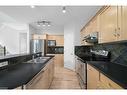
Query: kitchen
(83, 50)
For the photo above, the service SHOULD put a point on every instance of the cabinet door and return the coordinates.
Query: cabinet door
(51, 72)
(39, 81)
(92, 77)
(108, 83)
(108, 24)
(58, 61)
(82, 35)
(60, 40)
(124, 23)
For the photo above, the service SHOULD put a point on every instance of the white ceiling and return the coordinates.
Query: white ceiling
(25, 14)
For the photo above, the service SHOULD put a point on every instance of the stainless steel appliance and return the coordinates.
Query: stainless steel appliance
(91, 38)
(51, 42)
(37, 46)
(81, 71)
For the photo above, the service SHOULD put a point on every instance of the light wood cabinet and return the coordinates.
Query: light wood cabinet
(123, 34)
(59, 60)
(108, 24)
(107, 83)
(97, 80)
(44, 78)
(36, 36)
(82, 35)
(113, 24)
(59, 39)
(90, 28)
(92, 77)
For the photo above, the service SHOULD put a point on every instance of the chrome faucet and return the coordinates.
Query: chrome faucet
(32, 57)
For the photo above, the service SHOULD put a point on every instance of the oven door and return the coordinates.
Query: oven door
(81, 71)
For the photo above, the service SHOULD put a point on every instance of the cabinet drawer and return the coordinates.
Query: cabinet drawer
(109, 83)
(90, 68)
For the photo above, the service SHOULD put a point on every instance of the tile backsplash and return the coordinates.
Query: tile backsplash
(118, 51)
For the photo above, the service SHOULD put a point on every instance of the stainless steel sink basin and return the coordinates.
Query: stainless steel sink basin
(38, 60)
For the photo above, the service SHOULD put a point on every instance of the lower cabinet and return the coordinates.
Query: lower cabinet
(44, 78)
(107, 83)
(92, 77)
(59, 60)
(97, 80)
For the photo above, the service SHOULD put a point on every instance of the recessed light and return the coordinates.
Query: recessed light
(49, 25)
(64, 10)
(43, 25)
(32, 6)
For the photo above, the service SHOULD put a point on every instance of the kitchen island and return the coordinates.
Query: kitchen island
(19, 75)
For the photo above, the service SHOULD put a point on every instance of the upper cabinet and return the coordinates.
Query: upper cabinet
(91, 27)
(124, 23)
(110, 22)
(113, 23)
(36, 36)
(59, 39)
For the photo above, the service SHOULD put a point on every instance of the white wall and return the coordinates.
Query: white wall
(69, 30)
(79, 24)
(33, 30)
(9, 36)
(71, 39)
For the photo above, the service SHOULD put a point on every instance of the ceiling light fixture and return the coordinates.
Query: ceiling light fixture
(49, 24)
(44, 23)
(32, 6)
(64, 9)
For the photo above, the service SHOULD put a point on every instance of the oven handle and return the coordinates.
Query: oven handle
(81, 60)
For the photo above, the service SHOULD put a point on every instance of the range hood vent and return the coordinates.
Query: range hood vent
(91, 38)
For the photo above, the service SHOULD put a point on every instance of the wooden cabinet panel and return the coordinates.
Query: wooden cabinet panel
(92, 77)
(59, 39)
(36, 36)
(108, 83)
(108, 24)
(59, 60)
(97, 80)
(124, 23)
(44, 78)
(82, 35)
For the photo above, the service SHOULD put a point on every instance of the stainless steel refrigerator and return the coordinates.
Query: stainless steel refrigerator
(37, 46)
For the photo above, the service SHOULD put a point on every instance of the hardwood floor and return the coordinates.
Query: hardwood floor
(64, 79)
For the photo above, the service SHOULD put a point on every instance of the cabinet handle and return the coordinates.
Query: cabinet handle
(109, 84)
(118, 34)
(115, 33)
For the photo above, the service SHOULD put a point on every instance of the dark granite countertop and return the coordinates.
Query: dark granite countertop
(116, 72)
(20, 74)
(12, 56)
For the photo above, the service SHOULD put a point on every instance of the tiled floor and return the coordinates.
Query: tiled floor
(64, 79)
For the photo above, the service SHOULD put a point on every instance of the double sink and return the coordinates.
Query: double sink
(38, 60)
